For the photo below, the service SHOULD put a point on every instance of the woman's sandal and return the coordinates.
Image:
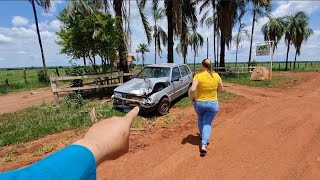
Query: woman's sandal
(203, 152)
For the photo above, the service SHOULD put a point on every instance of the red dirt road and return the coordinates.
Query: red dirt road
(20, 100)
(277, 137)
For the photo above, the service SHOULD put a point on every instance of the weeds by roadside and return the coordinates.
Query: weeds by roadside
(44, 149)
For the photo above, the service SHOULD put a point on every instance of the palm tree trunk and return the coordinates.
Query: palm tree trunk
(214, 46)
(222, 52)
(155, 50)
(170, 31)
(38, 33)
(288, 49)
(295, 59)
(237, 56)
(252, 30)
(142, 60)
(84, 61)
(194, 60)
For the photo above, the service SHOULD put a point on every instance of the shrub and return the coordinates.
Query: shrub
(74, 100)
(43, 76)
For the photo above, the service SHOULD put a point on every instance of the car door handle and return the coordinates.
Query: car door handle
(181, 80)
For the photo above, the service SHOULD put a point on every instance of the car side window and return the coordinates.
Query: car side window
(176, 73)
(188, 70)
(183, 71)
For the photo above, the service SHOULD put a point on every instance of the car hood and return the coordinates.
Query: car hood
(139, 86)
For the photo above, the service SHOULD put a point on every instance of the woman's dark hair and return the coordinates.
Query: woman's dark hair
(206, 63)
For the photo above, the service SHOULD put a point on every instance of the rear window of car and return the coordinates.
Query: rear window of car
(183, 71)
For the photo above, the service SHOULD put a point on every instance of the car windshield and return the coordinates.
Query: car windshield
(154, 72)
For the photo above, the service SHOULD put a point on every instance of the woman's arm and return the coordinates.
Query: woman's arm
(192, 90)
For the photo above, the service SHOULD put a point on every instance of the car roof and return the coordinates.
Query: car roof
(164, 65)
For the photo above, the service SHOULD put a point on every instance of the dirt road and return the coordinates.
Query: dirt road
(277, 137)
(20, 100)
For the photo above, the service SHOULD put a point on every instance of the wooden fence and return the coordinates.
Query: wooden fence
(97, 82)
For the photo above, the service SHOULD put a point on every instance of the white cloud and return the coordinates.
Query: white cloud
(22, 52)
(55, 25)
(19, 21)
(2, 59)
(4, 39)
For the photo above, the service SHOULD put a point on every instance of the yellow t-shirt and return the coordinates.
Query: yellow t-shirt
(207, 89)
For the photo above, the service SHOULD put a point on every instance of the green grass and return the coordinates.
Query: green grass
(16, 80)
(38, 121)
(277, 81)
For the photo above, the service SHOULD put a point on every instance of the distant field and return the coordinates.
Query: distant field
(17, 82)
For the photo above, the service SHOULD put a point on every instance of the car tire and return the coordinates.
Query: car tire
(163, 106)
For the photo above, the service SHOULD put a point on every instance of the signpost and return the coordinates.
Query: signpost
(266, 49)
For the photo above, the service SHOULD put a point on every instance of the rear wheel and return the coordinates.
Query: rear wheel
(163, 106)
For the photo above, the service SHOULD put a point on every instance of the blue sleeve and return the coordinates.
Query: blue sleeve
(72, 162)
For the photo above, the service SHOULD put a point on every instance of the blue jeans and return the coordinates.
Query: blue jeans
(206, 111)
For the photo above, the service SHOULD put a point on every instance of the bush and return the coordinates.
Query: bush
(43, 76)
(74, 100)
(253, 63)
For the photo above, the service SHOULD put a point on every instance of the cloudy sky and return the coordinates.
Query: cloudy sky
(19, 45)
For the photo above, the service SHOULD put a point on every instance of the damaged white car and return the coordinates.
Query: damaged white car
(154, 88)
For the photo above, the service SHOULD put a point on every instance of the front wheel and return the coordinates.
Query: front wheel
(163, 106)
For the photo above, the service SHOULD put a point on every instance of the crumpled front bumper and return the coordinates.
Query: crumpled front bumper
(127, 104)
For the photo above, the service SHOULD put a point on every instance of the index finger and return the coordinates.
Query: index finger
(132, 114)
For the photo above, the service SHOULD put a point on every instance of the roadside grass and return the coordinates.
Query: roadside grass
(16, 80)
(169, 120)
(39, 121)
(44, 149)
(277, 81)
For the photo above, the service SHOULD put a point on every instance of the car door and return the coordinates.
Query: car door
(176, 82)
(185, 79)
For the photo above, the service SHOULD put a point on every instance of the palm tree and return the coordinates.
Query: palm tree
(239, 37)
(159, 34)
(259, 8)
(179, 13)
(227, 12)
(195, 41)
(301, 36)
(296, 31)
(142, 48)
(210, 21)
(273, 30)
(45, 4)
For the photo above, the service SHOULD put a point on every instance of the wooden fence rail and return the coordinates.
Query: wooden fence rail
(99, 81)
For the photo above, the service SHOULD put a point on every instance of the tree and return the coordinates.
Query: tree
(195, 41)
(87, 33)
(159, 35)
(303, 33)
(274, 29)
(260, 7)
(45, 4)
(239, 37)
(142, 48)
(180, 14)
(296, 31)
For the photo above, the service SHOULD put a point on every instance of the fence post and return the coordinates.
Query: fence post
(54, 91)
(121, 74)
(57, 72)
(25, 75)
(6, 82)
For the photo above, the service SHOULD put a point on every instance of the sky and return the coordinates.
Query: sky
(19, 44)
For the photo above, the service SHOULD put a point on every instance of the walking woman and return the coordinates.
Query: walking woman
(204, 93)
